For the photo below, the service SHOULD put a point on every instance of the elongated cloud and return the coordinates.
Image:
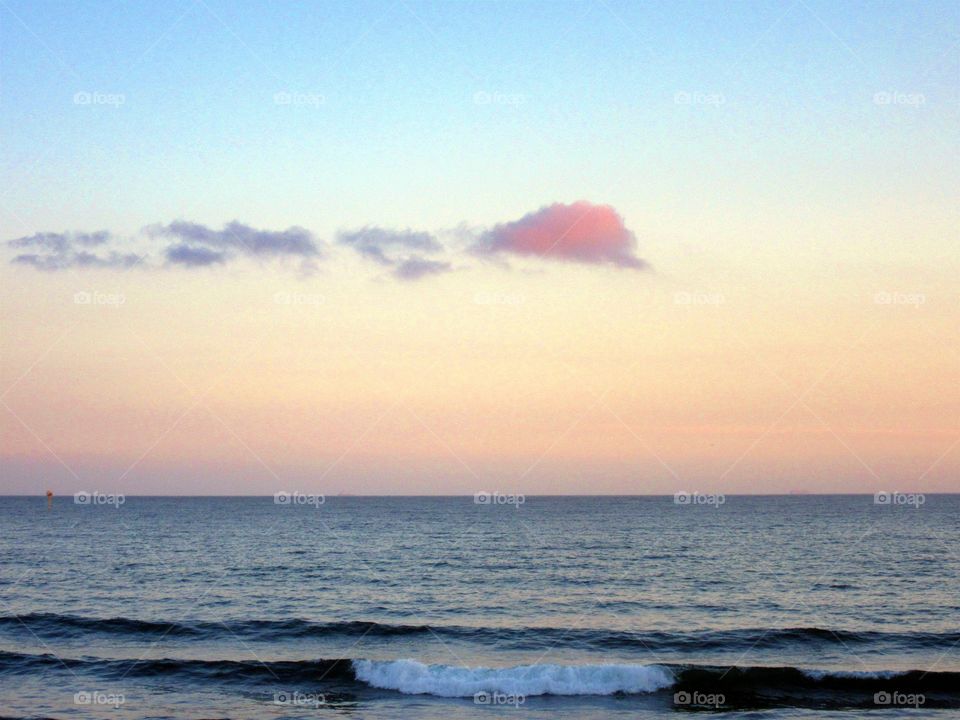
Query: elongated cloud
(415, 268)
(60, 242)
(403, 250)
(59, 251)
(198, 245)
(182, 243)
(378, 244)
(194, 256)
(580, 232)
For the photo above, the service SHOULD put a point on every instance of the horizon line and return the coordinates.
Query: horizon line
(526, 495)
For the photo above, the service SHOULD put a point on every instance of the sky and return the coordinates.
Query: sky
(448, 247)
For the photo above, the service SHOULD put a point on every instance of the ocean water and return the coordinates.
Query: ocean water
(573, 607)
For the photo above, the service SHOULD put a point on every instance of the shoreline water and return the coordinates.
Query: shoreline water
(442, 608)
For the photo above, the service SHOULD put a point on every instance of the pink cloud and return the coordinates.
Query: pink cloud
(580, 232)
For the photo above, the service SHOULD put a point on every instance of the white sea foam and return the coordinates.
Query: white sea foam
(416, 678)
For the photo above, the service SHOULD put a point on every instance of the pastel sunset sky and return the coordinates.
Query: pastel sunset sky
(438, 248)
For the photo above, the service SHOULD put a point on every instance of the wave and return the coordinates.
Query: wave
(227, 671)
(72, 626)
(745, 685)
(525, 638)
(738, 686)
(416, 678)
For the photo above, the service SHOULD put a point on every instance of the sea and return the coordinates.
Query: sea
(486, 606)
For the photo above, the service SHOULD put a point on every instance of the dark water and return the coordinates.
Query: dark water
(779, 607)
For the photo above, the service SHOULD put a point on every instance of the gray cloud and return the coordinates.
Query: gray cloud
(414, 268)
(66, 260)
(242, 239)
(194, 256)
(183, 244)
(60, 251)
(382, 245)
(402, 250)
(61, 242)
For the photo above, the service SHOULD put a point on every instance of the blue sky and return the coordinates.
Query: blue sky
(582, 102)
